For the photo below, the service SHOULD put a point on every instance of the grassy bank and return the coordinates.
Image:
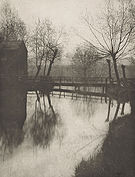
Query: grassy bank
(117, 157)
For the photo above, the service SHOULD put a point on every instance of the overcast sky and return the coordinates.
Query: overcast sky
(65, 13)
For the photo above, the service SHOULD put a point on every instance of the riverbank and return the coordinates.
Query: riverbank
(117, 156)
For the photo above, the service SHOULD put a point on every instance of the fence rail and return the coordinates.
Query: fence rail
(41, 82)
(62, 78)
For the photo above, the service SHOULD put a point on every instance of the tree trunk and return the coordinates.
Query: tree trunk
(50, 67)
(116, 71)
(38, 70)
(52, 61)
(109, 67)
(45, 67)
(123, 71)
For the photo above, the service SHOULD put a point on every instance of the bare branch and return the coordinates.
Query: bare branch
(91, 29)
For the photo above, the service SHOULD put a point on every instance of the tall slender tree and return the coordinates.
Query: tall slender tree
(45, 46)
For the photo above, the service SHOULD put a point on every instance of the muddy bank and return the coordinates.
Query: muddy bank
(117, 157)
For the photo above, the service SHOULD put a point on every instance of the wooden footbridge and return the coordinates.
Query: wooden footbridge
(91, 86)
(73, 87)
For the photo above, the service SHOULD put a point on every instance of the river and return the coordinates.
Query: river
(78, 133)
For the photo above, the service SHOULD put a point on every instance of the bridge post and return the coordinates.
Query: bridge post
(86, 96)
(60, 87)
(109, 106)
(103, 92)
(106, 90)
(64, 94)
(72, 95)
(76, 93)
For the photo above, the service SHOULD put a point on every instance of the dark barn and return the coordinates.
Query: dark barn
(13, 59)
(13, 65)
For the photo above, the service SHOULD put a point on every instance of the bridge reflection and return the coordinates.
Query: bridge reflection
(40, 127)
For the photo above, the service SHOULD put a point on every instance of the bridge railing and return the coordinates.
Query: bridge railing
(55, 79)
(78, 79)
(65, 79)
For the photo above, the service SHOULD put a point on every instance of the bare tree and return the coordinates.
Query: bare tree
(45, 45)
(84, 58)
(115, 31)
(11, 26)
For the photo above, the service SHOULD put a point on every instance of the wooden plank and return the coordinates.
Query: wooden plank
(80, 92)
(80, 84)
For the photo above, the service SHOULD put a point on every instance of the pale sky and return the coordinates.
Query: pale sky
(65, 13)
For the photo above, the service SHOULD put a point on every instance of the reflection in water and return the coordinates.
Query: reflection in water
(109, 106)
(12, 118)
(75, 130)
(10, 138)
(88, 106)
(118, 108)
(41, 125)
(43, 122)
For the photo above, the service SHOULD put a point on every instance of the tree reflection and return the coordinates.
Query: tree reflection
(116, 110)
(41, 126)
(10, 138)
(43, 121)
(109, 106)
(12, 118)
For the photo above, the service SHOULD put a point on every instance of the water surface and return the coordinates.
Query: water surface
(77, 134)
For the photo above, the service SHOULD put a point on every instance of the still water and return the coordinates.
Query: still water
(55, 150)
